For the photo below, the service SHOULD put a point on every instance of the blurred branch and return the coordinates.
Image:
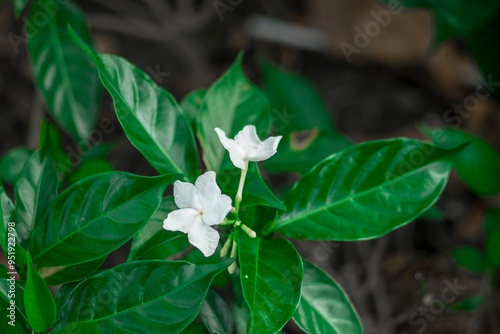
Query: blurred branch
(35, 121)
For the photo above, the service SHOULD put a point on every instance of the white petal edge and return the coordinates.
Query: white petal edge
(233, 148)
(186, 195)
(217, 210)
(267, 149)
(181, 220)
(203, 237)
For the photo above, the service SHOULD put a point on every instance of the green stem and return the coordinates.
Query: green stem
(239, 194)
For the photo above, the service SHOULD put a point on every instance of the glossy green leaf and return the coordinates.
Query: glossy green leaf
(452, 18)
(468, 304)
(491, 220)
(6, 211)
(470, 258)
(95, 216)
(152, 242)
(12, 163)
(38, 300)
(297, 104)
(156, 296)
(34, 190)
(271, 274)
(93, 167)
(51, 139)
(195, 256)
(477, 165)
(63, 275)
(216, 314)
(366, 191)
(255, 191)
(152, 119)
(61, 297)
(324, 307)
(66, 78)
(492, 250)
(299, 151)
(81, 327)
(229, 104)
(15, 315)
(191, 105)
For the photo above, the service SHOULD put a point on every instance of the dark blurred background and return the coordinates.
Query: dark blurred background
(380, 91)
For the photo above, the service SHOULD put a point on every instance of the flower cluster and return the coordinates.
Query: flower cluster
(202, 205)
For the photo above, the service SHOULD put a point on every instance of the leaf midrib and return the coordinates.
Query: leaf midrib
(350, 197)
(154, 299)
(93, 221)
(59, 56)
(115, 92)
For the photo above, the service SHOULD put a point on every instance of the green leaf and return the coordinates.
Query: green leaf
(255, 191)
(11, 291)
(51, 139)
(324, 307)
(95, 216)
(3, 272)
(216, 314)
(191, 105)
(195, 256)
(477, 165)
(6, 211)
(492, 249)
(86, 327)
(152, 119)
(93, 167)
(491, 220)
(229, 104)
(34, 190)
(296, 103)
(271, 275)
(470, 258)
(65, 77)
(152, 242)
(38, 300)
(366, 191)
(160, 296)
(468, 304)
(299, 151)
(12, 163)
(452, 18)
(63, 275)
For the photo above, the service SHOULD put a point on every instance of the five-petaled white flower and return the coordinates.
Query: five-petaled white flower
(247, 146)
(200, 206)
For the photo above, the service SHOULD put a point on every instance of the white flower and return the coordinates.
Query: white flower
(200, 206)
(247, 146)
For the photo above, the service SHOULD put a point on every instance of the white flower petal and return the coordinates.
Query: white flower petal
(235, 153)
(186, 195)
(203, 237)
(248, 137)
(207, 188)
(266, 150)
(181, 220)
(217, 210)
